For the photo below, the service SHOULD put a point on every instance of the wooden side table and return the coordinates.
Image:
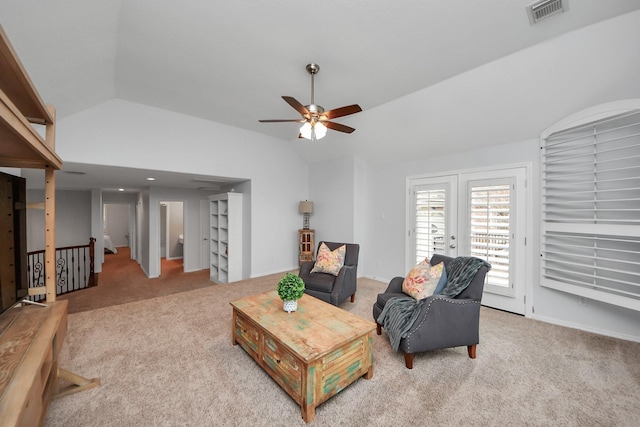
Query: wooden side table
(306, 245)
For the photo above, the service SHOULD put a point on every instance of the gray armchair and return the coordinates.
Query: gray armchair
(327, 287)
(443, 322)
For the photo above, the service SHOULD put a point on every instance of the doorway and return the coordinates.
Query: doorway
(172, 239)
(477, 213)
(118, 226)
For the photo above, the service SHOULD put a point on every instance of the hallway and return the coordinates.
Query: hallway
(122, 281)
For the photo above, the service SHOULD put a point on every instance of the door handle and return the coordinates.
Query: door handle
(452, 246)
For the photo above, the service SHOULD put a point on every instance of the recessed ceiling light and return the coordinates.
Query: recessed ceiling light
(151, 179)
(120, 189)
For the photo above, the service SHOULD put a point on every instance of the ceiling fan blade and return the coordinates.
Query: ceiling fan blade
(282, 120)
(296, 105)
(342, 111)
(338, 126)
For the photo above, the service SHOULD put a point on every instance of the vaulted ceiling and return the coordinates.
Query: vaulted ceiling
(231, 61)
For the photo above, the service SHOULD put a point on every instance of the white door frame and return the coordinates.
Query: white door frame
(523, 273)
(205, 229)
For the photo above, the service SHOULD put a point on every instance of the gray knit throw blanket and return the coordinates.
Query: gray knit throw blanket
(398, 316)
(399, 313)
(460, 272)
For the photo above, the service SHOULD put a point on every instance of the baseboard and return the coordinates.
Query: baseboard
(379, 279)
(580, 327)
(144, 270)
(294, 270)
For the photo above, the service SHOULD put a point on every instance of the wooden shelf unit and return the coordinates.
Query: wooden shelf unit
(306, 245)
(21, 146)
(226, 237)
(31, 336)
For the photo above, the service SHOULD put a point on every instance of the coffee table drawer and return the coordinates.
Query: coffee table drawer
(285, 368)
(248, 336)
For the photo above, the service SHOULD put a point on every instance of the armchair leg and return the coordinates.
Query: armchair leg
(471, 349)
(408, 360)
(378, 328)
(353, 298)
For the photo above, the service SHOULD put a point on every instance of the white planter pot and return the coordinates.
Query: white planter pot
(290, 306)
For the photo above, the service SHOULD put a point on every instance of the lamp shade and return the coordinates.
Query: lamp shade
(314, 131)
(320, 130)
(305, 130)
(306, 207)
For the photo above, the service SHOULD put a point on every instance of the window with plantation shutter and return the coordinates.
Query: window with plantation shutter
(591, 209)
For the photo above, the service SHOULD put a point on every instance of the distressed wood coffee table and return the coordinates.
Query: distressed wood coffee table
(312, 353)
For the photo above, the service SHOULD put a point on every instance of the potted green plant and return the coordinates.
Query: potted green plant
(290, 290)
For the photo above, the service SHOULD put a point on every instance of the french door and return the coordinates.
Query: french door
(434, 218)
(481, 214)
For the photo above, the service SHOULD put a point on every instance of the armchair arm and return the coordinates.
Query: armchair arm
(345, 283)
(306, 267)
(443, 322)
(395, 286)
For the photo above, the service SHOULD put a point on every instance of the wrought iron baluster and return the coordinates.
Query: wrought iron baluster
(71, 274)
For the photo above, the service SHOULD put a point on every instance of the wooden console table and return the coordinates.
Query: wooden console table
(312, 353)
(30, 341)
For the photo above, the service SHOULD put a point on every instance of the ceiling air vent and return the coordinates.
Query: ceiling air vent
(543, 9)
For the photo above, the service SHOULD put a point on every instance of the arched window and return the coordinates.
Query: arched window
(590, 169)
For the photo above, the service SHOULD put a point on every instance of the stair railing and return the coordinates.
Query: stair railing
(75, 269)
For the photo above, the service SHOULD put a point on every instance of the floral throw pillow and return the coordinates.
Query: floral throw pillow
(329, 261)
(422, 280)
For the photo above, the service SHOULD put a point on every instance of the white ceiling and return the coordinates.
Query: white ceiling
(231, 61)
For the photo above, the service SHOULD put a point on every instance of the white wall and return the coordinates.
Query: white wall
(332, 189)
(73, 219)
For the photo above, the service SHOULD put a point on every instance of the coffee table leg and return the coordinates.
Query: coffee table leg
(369, 373)
(233, 328)
(308, 412)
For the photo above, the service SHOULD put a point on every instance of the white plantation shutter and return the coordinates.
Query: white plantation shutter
(490, 228)
(591, 210)
(430, 224)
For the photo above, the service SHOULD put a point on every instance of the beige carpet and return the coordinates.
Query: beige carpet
(169, 361)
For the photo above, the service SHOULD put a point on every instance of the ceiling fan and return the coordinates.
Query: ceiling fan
(316, 120)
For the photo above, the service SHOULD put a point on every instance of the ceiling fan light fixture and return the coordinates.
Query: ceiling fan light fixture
(313, 131)
(305, 130)
(320, 130)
